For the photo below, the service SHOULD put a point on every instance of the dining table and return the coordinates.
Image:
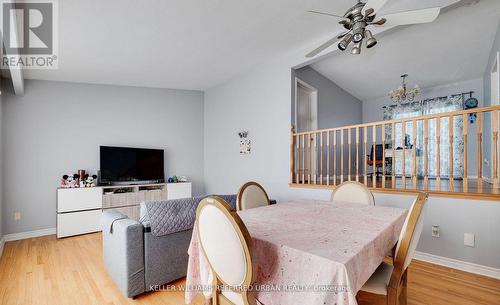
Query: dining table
(307, 251)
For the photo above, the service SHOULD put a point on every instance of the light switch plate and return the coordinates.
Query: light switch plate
(469, 240)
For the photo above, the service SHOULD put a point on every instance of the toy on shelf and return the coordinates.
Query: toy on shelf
(89, 181)
(177, 179)
(69, 181)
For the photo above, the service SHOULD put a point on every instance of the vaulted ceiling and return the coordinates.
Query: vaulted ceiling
(182, 44)
(189, 44)
(453, 48)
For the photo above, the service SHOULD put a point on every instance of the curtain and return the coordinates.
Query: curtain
(425, 107)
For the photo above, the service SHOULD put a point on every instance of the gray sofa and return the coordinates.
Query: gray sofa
(142, 255)
(137, 260)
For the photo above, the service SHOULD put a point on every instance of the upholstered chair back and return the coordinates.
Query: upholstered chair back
(354, 192)
(226, 245)
(388, 284)
(410, 233)
(251, 195)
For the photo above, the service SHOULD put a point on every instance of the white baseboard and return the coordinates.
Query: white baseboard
(2, 242)
(457, 264)
(29, 234)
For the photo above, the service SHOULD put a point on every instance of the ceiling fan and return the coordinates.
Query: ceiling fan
(357, 20)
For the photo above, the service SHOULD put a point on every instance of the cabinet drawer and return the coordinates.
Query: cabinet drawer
(132, 212)
(178, 190)
(76, 223)
(79, 199)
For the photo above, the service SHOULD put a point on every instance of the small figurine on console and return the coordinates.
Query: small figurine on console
(90, 181)
(69, 181)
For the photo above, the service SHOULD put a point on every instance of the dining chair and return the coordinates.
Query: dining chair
(226, 244)
(376, 158)
(352, 191)
(251, 195)
(388, 284)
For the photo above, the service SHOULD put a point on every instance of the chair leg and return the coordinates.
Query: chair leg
(398, 296)
(392, 296)
(403, 297)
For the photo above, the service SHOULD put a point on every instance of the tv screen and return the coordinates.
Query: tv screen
(125, 164)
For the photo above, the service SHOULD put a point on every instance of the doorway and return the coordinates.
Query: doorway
(306, 106)
(495, 100)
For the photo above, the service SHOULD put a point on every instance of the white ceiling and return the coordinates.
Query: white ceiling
(455, 47)
(182, 44)
(186, 44)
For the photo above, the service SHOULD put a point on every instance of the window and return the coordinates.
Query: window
(426, 107)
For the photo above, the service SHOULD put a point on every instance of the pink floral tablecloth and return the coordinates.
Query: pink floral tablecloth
(308, 252)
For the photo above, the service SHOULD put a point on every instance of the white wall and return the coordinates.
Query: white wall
(259, 102)
(456, 217)
(336, 107)
(487, 98)
(1, 173)
(57, 128)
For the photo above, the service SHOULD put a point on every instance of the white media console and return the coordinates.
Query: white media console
(79, 209)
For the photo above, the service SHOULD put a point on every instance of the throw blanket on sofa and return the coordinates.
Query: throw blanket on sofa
(172, 216)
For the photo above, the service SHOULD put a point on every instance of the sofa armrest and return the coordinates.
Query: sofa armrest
(123, 252)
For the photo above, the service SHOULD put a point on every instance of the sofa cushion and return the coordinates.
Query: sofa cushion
(172, 216)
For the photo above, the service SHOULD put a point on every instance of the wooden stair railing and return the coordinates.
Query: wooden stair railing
(331, 156)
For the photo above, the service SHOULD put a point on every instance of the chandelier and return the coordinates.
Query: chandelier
(403, 94)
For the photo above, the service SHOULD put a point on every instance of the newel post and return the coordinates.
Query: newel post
(292, 153)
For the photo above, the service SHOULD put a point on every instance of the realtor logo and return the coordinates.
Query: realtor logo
(29, 31)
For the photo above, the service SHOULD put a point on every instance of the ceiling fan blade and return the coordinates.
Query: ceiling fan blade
(378, 22)
(373, 4)
(322, 47)
(411, 17)
(326, 14)
(343, 34)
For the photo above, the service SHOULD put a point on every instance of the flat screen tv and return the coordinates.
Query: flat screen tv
(121, 165)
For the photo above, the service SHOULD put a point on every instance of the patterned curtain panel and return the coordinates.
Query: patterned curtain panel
(425, 107)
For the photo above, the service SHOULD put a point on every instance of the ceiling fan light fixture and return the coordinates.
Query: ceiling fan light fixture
(357, 31)
(357, 37)
(345, 42)
(369, 11)
(370, 40)
(364, 15)
(356, 50)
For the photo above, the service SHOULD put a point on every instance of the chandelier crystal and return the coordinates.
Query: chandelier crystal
(403, 94)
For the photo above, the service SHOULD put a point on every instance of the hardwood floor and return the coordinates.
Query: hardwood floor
(70, 271)
(429, 284)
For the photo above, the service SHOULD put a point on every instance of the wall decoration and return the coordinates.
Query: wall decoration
(243, 134)
(470, 103)
(245, 144)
